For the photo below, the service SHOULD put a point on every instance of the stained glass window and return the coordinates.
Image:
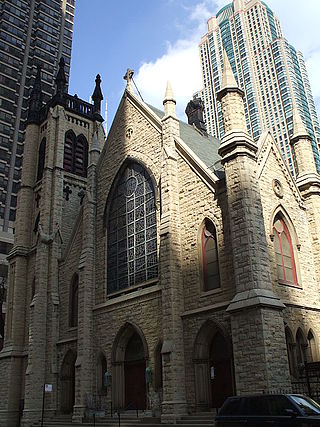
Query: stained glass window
(210, 263)
(284, 252)
(132, 230)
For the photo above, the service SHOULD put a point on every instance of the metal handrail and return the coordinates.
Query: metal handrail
(119, 410)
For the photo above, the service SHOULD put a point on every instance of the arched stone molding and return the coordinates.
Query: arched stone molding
(291, 351)
(101, 368)
(280, 209)
(144, 162)
(313, 345)
(201, 361)
(121, 341)
(216, 226)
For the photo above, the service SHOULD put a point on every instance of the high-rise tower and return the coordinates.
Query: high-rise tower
(32, 32)
(267, 68)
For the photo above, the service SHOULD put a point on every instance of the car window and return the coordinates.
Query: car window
(231, 407)
(255, 405)
(278, 405)
(308, 406)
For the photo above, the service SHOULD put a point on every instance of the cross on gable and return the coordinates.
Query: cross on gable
(128, 76)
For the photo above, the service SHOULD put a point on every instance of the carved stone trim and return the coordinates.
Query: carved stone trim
(277, 188)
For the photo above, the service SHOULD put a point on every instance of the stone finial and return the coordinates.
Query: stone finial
(228, 79)
(35, 101)
(128, 76)
(61, 81)
(97, 96)
(299, 129)
(169, 102)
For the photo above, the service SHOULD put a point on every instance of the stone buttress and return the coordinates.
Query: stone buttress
(308, 182)
(174, 400)
(256, 313)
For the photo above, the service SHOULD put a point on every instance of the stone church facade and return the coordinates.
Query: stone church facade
(160, 269)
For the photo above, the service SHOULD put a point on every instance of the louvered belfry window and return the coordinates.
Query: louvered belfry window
(131, 230)
(75, 154)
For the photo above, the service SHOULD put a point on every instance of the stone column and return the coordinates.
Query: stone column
(259, 344)
(174, 400)
(85, 357)
(13, 354)
(308, 182)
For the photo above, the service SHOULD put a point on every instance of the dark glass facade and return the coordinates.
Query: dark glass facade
(32, 32)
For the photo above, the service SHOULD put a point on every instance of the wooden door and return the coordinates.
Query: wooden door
(221, 384)
(135, 384)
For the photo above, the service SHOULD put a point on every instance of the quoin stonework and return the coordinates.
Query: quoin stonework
(160, 269)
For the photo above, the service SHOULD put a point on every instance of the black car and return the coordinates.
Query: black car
(277, 410)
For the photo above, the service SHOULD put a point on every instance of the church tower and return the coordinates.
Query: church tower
(62, 143)
(256, 312)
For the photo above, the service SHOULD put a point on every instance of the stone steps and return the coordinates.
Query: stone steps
(128, 420)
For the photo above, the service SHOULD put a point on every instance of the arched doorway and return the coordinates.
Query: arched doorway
(129, 357)
(134, 372)
(220, 370)
(213, 366)
(67, 383)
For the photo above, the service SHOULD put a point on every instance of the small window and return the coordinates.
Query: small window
(284, 252)
(74, 301)
(210, 264)
(41, 158)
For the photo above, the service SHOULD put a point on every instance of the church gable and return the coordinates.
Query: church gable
(270, 163)
(134, 138)
(282, 201)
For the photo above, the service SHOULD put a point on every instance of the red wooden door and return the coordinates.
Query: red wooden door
(221, 384)
(135, 384)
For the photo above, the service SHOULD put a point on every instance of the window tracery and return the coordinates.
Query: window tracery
(284, 252)
(210, 263)
(132, 230)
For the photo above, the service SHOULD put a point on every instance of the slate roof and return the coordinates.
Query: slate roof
(204, 147)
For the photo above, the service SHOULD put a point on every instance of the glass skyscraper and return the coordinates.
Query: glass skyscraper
(267, 68)
(32, 32)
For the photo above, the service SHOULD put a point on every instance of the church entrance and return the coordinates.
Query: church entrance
(220, 371)
(129, 368)
(135, 368)
(213, 367)
(67, 383)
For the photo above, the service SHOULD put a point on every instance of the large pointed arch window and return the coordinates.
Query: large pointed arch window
(75, 154)
(131, 230)
(210, 262)
(284, 253)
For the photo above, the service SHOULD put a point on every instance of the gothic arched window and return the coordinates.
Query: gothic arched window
(75, 154)
(284, 252)
(210, 262)
(74, 292)
(131, 230)
(41, 158)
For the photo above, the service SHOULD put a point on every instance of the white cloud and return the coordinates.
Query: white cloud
(181, 64)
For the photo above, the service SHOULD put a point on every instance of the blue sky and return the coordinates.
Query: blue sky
(159, 40)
